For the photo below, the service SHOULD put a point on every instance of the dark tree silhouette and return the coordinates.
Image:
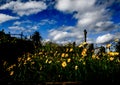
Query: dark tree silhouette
(10, 49)
(36, 38)
(117, 47)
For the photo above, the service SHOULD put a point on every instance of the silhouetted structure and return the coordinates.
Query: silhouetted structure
(10, 49)
(36, 38)
(85, 35)
(21, 34)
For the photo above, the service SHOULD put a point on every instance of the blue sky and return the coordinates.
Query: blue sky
(63, 21)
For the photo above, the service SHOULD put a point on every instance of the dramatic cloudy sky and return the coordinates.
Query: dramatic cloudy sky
(62, 20)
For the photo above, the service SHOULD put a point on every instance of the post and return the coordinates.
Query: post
(85, 34)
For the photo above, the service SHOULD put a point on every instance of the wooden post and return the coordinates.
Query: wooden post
(85, 35)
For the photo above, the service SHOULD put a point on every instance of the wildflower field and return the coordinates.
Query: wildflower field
(65, 63)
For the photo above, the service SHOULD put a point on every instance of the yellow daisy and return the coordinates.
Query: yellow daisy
(64, 64)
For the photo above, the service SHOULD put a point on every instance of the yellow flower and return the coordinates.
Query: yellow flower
(46, 61)
(110, 54)
(71, 49)
(84, 52)
(67, 50)
(80, 45)
(84, 63)
(84, 43)
(11, 67)
(40, 53)
(28, 59)
(116, 40)
(5, 62)
(76, 67)
(68, 60)
(11, 73)
(111, 58)
(93, 56)
(50, 61)
(64, 64)
(113, 53)
(32, 63)
(46, 56)
(63, 55)
(116, 53)
(108, 45)
(25, 62)
(97, 57)
(66, 55)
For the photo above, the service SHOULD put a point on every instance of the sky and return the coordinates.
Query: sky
(62, 21)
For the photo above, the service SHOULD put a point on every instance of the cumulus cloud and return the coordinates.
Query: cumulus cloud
(73, 5)
(4, 18)
(57, 35)
(66, 34)
(27, 8)
(105, 26)
(92, 15)
(105, 38)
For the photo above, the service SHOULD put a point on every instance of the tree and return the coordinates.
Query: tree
(117, 47)
(36, 38)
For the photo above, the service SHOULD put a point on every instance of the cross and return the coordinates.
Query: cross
(85, 34)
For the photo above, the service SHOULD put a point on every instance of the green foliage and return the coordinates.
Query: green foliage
(47, 65)
(53, 62)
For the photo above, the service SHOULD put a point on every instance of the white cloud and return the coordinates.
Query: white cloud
(25, 30)
(57, 35)
(47, 21)
(28, 8)
(105, 38)
(34, 28)
(105, 26)
(73, 5)
(16, 28)
(66, 34)
(88, 13)
(117, 35)
(92, 15)
(17, 23)
(22, 22)
(4, 18)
